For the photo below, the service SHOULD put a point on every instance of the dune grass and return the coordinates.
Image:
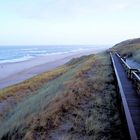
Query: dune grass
(129, 50)
(88, 77)
(136, 55)
(32, 84)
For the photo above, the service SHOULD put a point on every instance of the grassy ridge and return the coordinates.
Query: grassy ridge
(32, 84)
(130, 48)
(43, 95)
(15, 94)
(88, 77)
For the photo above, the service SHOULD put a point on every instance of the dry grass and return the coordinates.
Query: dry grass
(95, 114)
(87, 78)
(131, 50)
(31, 85)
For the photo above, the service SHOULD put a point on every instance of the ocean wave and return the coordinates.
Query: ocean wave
(21, 59)
(29, 49)
(28, 57)
(36, 52)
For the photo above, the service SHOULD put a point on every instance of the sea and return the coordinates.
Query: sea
(11, 54)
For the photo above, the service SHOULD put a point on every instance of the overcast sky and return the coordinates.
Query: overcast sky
(43, 22)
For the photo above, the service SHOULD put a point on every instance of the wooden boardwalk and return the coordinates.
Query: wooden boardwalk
(131, 97)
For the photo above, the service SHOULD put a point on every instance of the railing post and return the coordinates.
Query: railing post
(132, 74)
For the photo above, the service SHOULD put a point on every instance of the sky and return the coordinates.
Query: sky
(56, 22)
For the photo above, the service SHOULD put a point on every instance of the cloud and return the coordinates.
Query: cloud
(68, 20)
(67, 9)
(121, 6)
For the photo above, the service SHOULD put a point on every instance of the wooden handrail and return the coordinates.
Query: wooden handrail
(136, 76)
(133, 74)
(123, 61)
(127, 114)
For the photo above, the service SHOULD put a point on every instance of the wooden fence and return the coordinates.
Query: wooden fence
(133, 74)
(123, 102)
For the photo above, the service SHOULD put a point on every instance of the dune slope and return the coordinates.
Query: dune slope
(129, 48)
(79, 98)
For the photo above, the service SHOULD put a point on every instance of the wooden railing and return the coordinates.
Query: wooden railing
(133, 74)
(124, 105)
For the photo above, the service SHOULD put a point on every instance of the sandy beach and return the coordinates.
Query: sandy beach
(13, 73)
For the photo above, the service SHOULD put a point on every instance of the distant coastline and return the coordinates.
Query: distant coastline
(12, 54)
(14, 73)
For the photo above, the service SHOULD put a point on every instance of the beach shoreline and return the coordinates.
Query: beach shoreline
(17, 72)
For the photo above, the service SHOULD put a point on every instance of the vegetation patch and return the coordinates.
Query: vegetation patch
(129, 49)
(32, 84)
(83, 96)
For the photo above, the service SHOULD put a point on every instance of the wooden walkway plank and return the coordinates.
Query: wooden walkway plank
(131, 99)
